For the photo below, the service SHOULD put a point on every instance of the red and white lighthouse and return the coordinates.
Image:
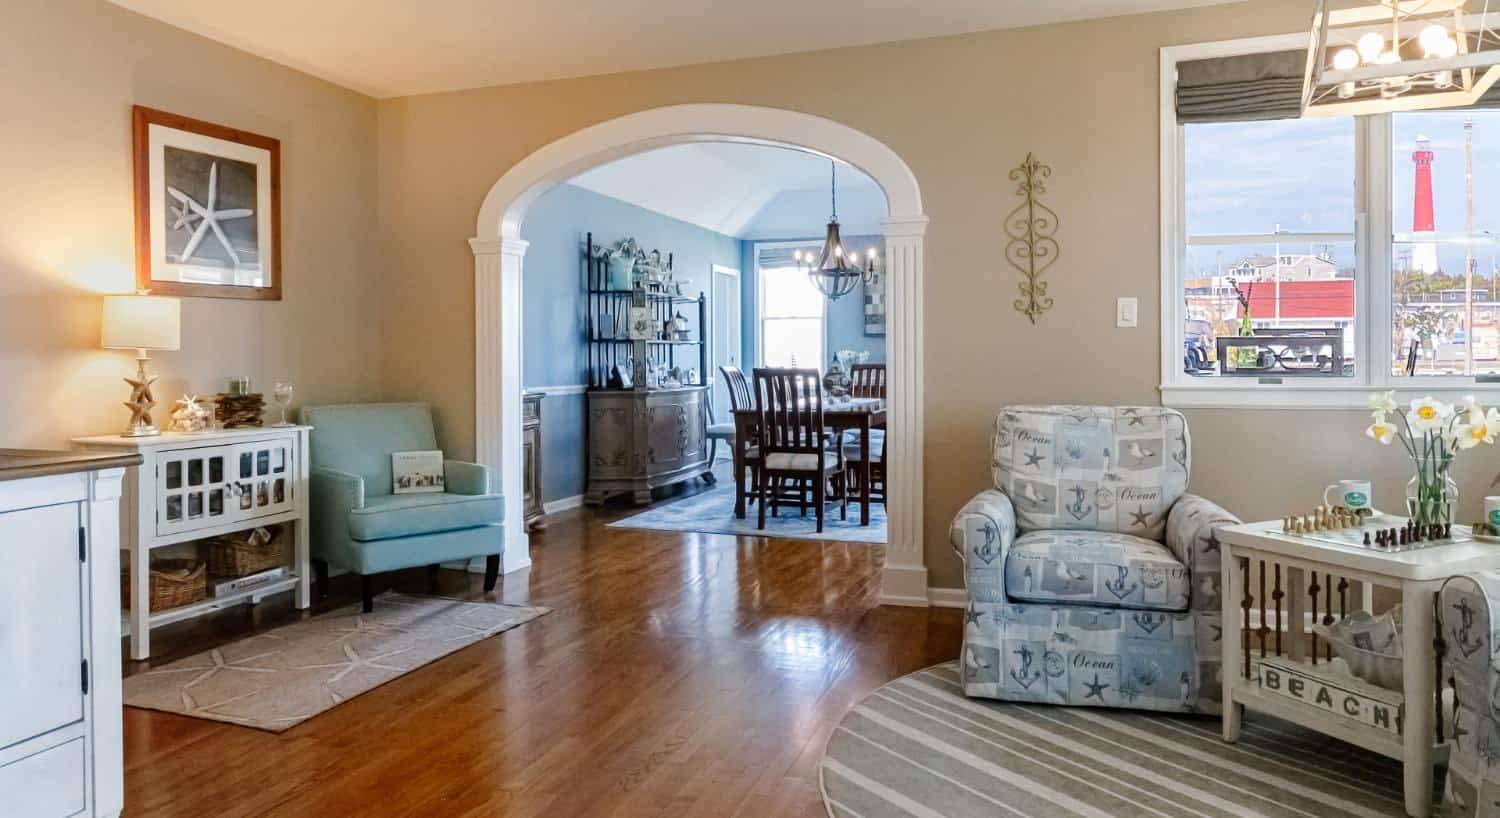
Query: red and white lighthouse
(1424, 236)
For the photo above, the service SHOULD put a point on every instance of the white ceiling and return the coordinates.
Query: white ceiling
(746, 191)
(389, 48)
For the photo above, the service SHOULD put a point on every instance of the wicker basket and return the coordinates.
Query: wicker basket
(246, 552)
(173, 583)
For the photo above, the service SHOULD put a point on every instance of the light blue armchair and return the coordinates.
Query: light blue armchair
(359, 525)
(1093, 577)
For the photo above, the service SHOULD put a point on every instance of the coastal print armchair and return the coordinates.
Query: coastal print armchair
(1092, 576)
(1468, 612)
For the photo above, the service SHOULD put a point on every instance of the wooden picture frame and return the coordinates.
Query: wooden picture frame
(184, 237)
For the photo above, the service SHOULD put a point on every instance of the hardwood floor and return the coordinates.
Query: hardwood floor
(678, 675)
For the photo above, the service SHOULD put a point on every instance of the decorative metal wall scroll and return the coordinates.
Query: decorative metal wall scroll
(1031, 228)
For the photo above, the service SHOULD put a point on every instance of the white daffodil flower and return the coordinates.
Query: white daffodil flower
(1473, 434)
(1428, 415)
(1382, 403)
(1381, 431)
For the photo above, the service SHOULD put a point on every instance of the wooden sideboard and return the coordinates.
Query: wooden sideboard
(639, 440)
(531, 467)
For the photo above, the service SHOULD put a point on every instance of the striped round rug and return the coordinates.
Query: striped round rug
(918, 747)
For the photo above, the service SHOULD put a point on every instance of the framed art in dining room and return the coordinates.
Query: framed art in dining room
(207, 208)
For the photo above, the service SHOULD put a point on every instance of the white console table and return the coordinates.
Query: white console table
(191, 486)
(61, 742)
(1293, 684)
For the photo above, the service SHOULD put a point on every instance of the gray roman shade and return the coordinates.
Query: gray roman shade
(1241, 88)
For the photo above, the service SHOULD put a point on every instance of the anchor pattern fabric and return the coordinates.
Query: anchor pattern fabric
(1096, 567)
(1092, 608)
(1094, 468)
(1468, 613)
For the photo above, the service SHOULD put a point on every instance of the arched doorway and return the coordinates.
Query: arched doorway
(500, 251)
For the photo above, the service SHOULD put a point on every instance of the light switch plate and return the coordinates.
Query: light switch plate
(1125, 312)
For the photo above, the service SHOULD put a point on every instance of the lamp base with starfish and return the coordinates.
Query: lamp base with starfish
(141, 401)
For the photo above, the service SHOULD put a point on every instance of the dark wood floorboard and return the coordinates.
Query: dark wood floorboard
(679, 675)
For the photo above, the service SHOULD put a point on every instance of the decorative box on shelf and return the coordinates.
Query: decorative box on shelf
(208, 486)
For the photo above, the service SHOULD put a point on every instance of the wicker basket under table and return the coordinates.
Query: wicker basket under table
(237, 555)
(174, 583)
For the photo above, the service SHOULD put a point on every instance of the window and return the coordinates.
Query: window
(1444, 220)
(790, 310)
(1311, 261)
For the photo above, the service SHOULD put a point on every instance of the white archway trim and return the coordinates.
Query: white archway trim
(499, 253)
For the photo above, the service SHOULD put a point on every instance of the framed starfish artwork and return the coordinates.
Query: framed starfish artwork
(207, 209)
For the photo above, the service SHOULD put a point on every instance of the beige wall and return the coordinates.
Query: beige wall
(961, 111)
(69, 72)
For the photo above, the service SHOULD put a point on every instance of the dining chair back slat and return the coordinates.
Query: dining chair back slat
(867, 380)
(738, 386)
(790, 405)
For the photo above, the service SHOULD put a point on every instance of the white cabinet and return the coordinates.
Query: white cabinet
(208, 486)
(191, 486)
(41, 620)
(61, 746)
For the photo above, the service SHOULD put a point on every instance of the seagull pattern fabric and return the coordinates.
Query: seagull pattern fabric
(1118, 612)
(1094, 468)
(1468, 613)
(1096, 568)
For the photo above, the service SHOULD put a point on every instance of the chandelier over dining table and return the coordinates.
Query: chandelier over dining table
(1376, 56)
(836, 271)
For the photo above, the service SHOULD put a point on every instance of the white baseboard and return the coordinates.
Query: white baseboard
(948, 597)
(562, 504)
(904, 585)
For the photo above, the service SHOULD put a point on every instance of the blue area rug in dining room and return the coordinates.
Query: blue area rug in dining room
(712, 512)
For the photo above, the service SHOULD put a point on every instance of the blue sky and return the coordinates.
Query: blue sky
(1250, 177)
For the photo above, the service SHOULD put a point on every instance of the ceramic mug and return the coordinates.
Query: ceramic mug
(1353, 494)
(1492, 511)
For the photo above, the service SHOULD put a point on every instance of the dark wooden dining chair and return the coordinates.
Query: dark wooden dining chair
(792, 443)
(867, 380)
(738, 387)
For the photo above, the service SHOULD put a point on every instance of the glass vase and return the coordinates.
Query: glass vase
(1431, 500)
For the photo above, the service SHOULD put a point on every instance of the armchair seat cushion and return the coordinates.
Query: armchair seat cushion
(1096, 568)
(404, 515)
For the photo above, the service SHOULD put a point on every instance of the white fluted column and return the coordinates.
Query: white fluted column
(905, 578)
(497, 381)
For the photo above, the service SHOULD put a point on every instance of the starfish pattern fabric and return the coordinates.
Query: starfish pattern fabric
(1092, 575)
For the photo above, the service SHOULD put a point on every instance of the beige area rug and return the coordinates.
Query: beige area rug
(280, 678)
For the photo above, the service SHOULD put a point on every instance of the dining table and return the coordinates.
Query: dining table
(855, 414)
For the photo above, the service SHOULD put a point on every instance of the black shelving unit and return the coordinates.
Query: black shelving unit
(608, 330)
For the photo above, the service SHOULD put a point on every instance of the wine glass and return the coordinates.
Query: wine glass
(282, 394)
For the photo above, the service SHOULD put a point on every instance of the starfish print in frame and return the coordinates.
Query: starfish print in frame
(1140, 518)
(211, 217)
(1035, 458)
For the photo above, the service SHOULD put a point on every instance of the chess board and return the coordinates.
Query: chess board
(1355, 537)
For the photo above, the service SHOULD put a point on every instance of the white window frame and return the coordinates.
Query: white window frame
(1372, 306)
(760, 299)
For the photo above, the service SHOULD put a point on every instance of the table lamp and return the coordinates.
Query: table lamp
(141, 322)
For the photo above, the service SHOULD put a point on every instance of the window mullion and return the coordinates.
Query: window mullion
(1374, 257)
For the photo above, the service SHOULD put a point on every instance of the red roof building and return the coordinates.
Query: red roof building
(1330, 298)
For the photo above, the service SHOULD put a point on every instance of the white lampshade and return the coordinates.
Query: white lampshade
(141, 322)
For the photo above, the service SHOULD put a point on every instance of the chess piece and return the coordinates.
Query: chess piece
(1367, 538)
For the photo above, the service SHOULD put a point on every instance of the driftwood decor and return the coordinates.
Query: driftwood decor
(1031, 228)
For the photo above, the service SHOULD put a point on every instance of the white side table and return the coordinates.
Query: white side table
(1303, 689)
(191, 486)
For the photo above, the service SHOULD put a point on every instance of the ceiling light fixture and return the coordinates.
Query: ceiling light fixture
(1375, 56)
(835, 272)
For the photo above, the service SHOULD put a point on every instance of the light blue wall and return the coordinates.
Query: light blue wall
(846, 323)
(553, 304)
